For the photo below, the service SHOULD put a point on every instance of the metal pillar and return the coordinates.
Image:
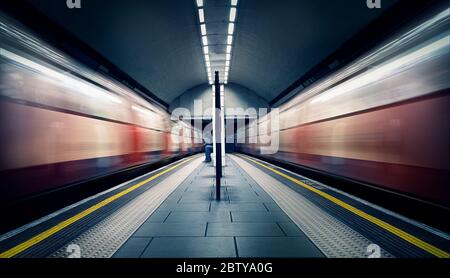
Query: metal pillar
(217, 134)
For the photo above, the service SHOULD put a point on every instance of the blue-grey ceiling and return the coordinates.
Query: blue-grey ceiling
(158, 43)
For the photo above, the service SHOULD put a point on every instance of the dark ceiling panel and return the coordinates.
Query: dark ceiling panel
(277, 42)
(155, 42)
(217, 14)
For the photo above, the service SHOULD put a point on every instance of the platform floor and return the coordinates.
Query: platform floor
(246, 222)
(264, 211)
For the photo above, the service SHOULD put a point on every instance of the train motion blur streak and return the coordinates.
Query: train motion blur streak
(63, 123)
(383, 120)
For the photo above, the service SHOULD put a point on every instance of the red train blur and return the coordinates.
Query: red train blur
(62, 123)
(383, 120)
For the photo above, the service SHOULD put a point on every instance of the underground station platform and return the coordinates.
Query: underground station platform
(224, 136)
(264, 211)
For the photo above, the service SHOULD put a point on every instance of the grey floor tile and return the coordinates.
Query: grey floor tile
(200, 186)
(170, 229)
(198, 217)
(244, 229)
(196, 194)
(235, 179)
(291, 229)
(256, 216)
(202, 206)
(132, 248)
(244, 206)
(196, 197)
(200, 189)
(179, 190)
(272, 206)
(223, 195)
(240, 189)
(158, 216)
(242, 194)
(191, 247)
(238, 186)
(244, 198)
(173, 198)
(298, 247)
(252, 201)
(203, 181)
(260, 191)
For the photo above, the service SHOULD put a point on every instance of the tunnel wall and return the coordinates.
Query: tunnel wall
(236, 96)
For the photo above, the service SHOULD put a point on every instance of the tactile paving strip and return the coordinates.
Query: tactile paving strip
(106, 237)
(331, 236)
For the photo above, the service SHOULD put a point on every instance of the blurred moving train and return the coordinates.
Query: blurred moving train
(62, 123)
(383, 120)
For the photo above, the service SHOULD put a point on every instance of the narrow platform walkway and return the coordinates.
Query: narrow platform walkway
(245, 223)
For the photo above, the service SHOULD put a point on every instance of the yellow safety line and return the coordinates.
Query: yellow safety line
(40, 237)
(386, 226)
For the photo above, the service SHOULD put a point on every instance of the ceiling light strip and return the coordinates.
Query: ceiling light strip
(204, 38)
(231, 29)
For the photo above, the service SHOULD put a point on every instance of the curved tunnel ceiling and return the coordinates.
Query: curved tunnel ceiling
(279, 41)
(158, 42)
(155, 42)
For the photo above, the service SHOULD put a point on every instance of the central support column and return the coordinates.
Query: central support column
(217, 134)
